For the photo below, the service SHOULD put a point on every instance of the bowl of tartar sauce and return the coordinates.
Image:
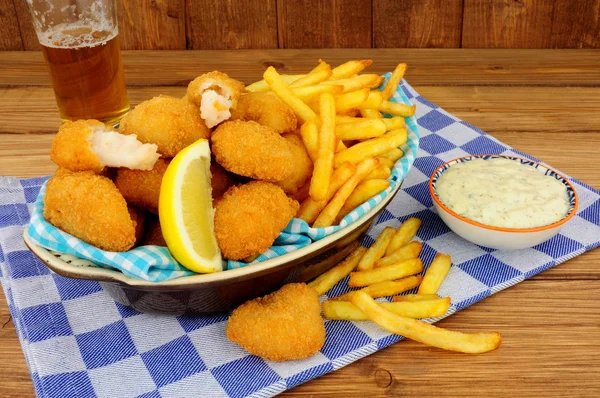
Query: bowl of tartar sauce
(502, 202)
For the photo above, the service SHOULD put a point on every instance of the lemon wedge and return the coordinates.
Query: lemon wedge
(185, 210)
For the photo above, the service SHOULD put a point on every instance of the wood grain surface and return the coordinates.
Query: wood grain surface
(230, 24)
(324, 23)
(544, 103)
(531, 24)
(414, 23)
(252, 24)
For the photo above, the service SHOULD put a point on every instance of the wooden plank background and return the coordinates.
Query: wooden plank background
(265, 24)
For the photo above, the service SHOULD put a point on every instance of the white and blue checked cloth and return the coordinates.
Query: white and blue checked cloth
(79, 343)
(154, 263)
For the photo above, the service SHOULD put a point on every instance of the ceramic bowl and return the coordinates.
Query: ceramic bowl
(495, 237)
(220, 291)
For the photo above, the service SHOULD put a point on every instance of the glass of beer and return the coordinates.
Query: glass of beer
(80, 42)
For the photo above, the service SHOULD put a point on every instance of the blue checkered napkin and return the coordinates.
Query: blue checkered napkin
(79, 343)
(154, 263)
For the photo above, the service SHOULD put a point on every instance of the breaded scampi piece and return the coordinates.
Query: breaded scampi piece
(142, 188)
(220, 181)
(91, 145)
(302, 167)
(152, 231)
(170, 123)
(283, 326)
(138, 217)
(91, 208)
(248, 218)
(252, 150)
(215, 94)
(265, 109)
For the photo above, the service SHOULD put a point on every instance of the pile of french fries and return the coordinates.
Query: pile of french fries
(389, 267)
(353, 148)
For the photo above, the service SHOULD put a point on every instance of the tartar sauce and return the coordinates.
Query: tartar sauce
(503, 193)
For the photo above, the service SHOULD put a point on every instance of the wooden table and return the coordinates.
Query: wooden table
(543, 102)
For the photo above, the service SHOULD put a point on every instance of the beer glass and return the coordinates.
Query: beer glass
(80, 43)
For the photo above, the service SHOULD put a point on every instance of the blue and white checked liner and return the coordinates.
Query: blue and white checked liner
(79, 343)
(154, 263)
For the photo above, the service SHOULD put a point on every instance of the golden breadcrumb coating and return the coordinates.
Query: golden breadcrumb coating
(302, 167)
(220, 181)
(170, 123)
(283, 326)
(142, 188)
(91, 208)
(71, 148)
(248, 218)
(152, 232)
(252, 150)
(217, 81)
(265, 109)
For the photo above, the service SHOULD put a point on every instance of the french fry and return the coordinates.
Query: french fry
(321, 178)
(382, 172)
(393, 123)
(370, 113)
(387, 288)
(426, 333)
(328, 279)
(309, 131)
(311, 93)
(329, 212)
(315, 76)
(321, 66)
(370, 148)
(310, 208)
(435, 275)
(393, 154)
(397, 109)
(416, 310)
(363, 192)
(302, 193)
(377, 250)
(405, 233)
(416, 297)
(373, 101)
(340, 146)
(392, 84)
(350, 68)
(262, 85)
(365, 128)
(411, 250)
(386, 162)
(389, 273)
(281, 89)
(356, 82)
(342, 119)
(351, 100)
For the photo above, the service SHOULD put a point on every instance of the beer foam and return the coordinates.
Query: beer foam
(61, 36)
(94, 27)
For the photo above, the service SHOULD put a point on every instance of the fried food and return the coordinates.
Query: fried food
(265, 109)
(91, 145)
(215, 94)
(302, 168)
(221, 180)
(152, 232)
(142, 188)
(91, 208)
(252, 150)
(248, 218)
(282, 326)
(138, 217)
(170, 123)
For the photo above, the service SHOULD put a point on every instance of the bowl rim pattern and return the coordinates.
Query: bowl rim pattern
(573, 198)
